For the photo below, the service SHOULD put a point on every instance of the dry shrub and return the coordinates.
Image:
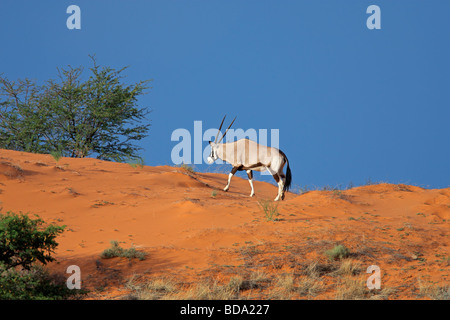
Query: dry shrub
(284, 287)
(349, 267)
(10, 170)
(207, 290)
(308, 286)
(350, 288)
(433, 291)
(152, 290)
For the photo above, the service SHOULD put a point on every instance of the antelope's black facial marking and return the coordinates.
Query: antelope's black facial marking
(212, 150)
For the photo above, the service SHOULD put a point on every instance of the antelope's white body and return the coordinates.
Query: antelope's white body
(248, 155)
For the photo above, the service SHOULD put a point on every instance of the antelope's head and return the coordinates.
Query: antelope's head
(215, 145)
(213, 155)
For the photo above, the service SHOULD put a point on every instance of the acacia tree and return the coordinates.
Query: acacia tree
(21, 120)
(99, 116)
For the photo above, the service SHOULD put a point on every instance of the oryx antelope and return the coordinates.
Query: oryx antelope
(250, 156)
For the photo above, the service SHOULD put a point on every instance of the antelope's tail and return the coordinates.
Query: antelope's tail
(288, 181)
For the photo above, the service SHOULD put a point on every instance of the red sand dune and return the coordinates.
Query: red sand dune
(188, 232)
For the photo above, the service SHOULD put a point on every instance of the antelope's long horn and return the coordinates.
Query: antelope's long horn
(217, 135)
(227, 129)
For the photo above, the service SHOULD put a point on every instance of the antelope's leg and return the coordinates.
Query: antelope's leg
(230, 175)
(280, 187)
(278, 180)
(250, 180)
(282, 182)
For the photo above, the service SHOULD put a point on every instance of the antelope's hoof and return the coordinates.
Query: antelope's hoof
(251, 195)
(225, 189)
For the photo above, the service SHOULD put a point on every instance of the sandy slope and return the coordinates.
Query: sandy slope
(188, 233)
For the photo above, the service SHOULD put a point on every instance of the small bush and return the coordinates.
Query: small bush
(56, 155)
(270, 209)
(136, 162)
(188, 168)
(338, 252)
(338, 194)
(34, 284)
(24, 241)
(117, 251)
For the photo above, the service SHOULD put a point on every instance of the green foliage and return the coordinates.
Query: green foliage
(77, 117)
(117, 251)
(137, 162)
(270, 209)
(33, 284)
(56, 155)
(24, 241)
(189, 168)
(338, 252)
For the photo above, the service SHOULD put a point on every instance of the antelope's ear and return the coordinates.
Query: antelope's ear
(210, 142)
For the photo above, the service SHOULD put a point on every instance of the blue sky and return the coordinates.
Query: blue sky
(351, 104)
